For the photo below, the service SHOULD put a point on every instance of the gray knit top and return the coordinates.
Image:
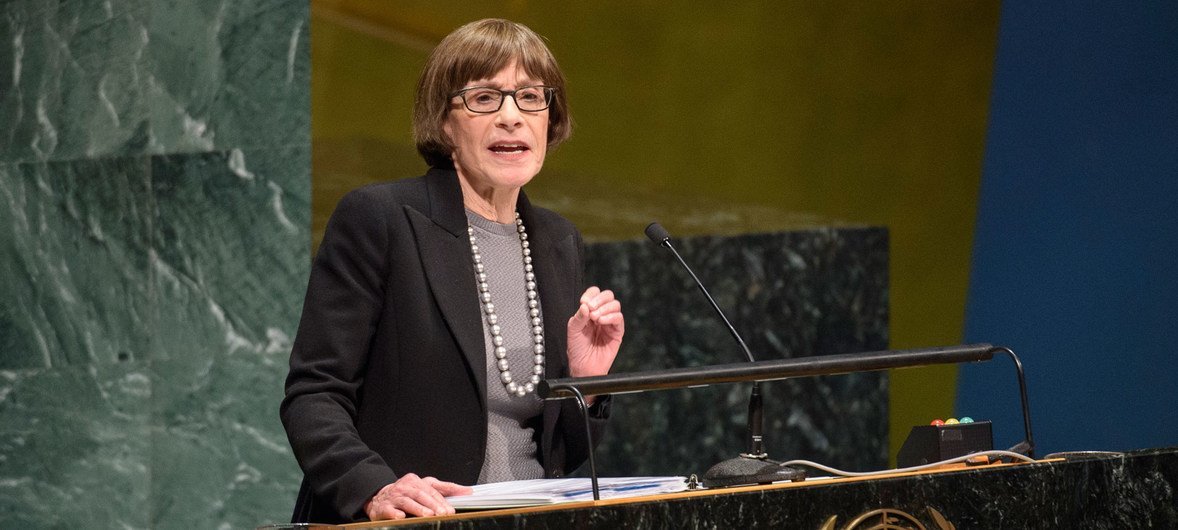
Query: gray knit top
(511, 421)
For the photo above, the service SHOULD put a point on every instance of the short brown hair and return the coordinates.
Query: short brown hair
(479, 50)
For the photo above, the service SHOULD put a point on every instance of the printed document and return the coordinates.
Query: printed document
(539, 492)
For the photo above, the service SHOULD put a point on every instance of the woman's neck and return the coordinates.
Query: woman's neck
(495, 204)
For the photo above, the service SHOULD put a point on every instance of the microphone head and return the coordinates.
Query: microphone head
(657, 233)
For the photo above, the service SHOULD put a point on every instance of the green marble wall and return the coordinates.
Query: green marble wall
(154, 245)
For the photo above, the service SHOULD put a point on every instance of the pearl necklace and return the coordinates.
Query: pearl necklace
(512, 386)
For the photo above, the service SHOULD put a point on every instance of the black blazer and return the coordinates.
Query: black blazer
(387, 373)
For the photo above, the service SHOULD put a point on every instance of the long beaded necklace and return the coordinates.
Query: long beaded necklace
(509, 382)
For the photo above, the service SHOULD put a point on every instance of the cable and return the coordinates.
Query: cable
(1085, 454)
(840, 472)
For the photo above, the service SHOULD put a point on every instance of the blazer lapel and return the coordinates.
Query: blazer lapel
(445, 257)
(556, 264)
(553, 256)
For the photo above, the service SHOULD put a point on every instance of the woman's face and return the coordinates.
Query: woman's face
(502, 149)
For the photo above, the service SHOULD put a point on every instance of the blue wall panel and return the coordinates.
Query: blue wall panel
(1075, 262)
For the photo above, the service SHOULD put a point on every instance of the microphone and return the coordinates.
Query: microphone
(661, 237)
(753, 467)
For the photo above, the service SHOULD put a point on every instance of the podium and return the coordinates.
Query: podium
(1133, 490)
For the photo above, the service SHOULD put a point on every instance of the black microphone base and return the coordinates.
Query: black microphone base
(746, 470)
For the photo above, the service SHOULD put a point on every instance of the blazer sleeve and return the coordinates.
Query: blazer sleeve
(344, 301)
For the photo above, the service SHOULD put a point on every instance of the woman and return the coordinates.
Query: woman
(436, 304)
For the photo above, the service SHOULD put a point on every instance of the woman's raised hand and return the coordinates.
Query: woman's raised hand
(595, 333)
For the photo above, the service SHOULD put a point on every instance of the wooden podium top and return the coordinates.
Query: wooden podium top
(815, 482)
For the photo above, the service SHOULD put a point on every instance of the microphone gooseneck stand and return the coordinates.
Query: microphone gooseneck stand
(755, 466)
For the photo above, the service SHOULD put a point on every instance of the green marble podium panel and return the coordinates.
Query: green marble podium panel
(789, 294)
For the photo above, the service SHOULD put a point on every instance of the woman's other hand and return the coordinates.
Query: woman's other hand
(595, 333)
(413, 495)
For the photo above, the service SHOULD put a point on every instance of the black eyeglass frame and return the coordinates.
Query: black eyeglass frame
(549, 95)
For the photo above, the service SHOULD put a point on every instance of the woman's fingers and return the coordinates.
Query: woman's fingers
(424, 500)
(595, 302)
(448, 489)
(595, 297)
(590, 293)
(597, 308)
(581, 317)
(614, 321)
(610, 307)
(385, 511)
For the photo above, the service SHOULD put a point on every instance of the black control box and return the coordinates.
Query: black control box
(933, 443)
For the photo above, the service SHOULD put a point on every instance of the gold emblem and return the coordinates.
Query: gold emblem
(890, 519)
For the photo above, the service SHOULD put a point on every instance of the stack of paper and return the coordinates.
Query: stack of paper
(520, 493)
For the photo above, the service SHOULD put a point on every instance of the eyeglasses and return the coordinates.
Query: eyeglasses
(485, 100)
